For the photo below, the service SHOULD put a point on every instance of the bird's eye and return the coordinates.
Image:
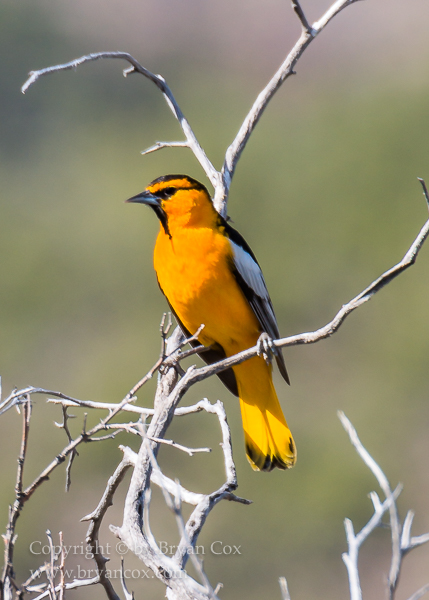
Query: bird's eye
(166, 193)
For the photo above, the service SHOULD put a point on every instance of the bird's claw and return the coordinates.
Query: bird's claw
(266, 348)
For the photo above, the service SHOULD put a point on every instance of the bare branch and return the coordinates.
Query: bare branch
(421, 592)
(50, 571)
(160, 83)
(221, 181)
(135, 530)
(406, 530)
(9, 537)
(128, 595)
(96, 518)
(179, 584)
(354, 541)
(190, 451)
(425, 190)
(72, 585)
(62, 568)
(200, 513)
(284, 588)
(324, 332)
(385, 486)
(176, 508)
(286, 69)
(161, 145)
(305, 27)
(158, 478)
(401, 544)
(64, 425)
(418, 540)
(35, 575)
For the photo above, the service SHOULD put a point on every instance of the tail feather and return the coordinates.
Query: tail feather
(268, 440)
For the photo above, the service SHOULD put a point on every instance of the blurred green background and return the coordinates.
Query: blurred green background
(327, 196)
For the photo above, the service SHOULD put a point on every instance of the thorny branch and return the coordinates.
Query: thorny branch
(9, 538)
(74, 453)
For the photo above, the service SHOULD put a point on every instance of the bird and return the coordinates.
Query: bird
(210, 277)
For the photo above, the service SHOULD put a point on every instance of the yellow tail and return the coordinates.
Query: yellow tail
(269, 442)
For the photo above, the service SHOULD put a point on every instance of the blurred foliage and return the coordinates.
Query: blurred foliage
(325, 193)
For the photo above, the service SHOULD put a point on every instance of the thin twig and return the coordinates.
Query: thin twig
(72, 585)
(385, 486)
(304, 24)
(161, 145)
(425, 190)
(127, 594)
(64, 425)
(284, 588)
(95, 518)
(50, 571)
(8, 575)
(421, 592)
(190, 451)
(62, 568)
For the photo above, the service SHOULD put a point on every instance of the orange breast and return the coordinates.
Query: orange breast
(194, 272)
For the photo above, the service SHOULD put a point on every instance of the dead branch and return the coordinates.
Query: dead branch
(400, 544)
(134, 531)
(95, 518)
(9, 538)
(285, 70)
(221, 180)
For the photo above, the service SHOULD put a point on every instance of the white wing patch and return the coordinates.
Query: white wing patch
(251, 273)
(249, 270)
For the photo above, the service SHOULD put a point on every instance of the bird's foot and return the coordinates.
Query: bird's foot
(266, 347)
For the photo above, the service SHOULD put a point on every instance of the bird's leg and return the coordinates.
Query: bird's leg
(266, 347)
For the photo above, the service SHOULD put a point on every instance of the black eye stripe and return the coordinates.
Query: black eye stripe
(166, 193)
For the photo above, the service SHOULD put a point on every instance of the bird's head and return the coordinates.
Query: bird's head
(178, 201)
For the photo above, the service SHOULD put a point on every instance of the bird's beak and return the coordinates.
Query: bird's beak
(145, 198)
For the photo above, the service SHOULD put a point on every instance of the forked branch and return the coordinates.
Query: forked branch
(400, 544)
(355, 540)
(220, 180)
(285, 70)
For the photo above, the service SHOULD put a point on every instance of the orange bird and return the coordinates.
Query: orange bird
(210, 276)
